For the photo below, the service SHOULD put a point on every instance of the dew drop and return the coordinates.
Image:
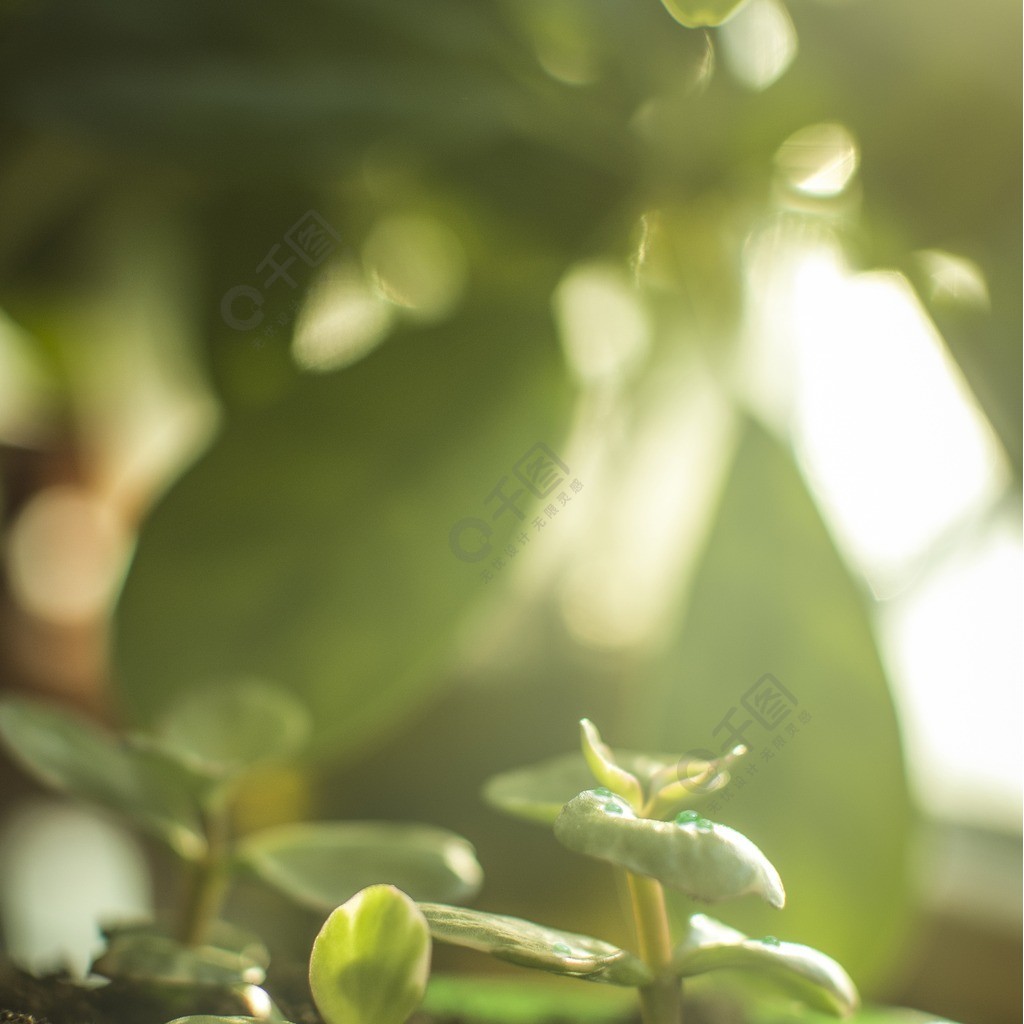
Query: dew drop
(705, 825)
(770, 940)
(561, 947)
(612, 807)
(601, 791)
(687, 817)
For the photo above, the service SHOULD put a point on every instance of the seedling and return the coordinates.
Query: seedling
(640, 819)
(180, 782)
(369, 962)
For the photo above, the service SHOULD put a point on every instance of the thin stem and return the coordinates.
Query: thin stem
(208, 882)
(661, 1002)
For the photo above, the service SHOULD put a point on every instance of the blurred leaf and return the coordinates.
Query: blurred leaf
(760, 1010)
(322, 865)
(371, 960)
(532, 945)
(525, 1000)
(825, 789)
(71, 755)
(601, 762)
(312, 541)
(706, 861)
(144, 954)
(814, 977)
(223, 729)
(208, 1019)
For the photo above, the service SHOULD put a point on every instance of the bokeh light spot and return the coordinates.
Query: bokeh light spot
(66, 554)
(759, 43)
(342, 320)
(418, 263)
(819, 160)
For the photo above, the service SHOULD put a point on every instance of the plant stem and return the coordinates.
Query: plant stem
(208, 882)
(661, 1002)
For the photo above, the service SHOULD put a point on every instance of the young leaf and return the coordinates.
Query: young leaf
(603, 767)
(538, 792)
(670, 793)
(371, 960)
(322, 864)
(706, 861)
(144, 954)
(812, 976)
(702, 13)
(533, 945)
(223, 729)
(73, 756)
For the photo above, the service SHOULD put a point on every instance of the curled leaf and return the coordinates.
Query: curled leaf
(533, 945)
(811, 975)
(705, 860)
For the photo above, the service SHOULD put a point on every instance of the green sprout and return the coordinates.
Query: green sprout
(180, 782)
(638, 819)
(370, 962)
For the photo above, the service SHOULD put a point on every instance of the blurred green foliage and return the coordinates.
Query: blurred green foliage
(155, 153)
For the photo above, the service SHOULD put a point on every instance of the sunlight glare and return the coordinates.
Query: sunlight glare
(954, 647)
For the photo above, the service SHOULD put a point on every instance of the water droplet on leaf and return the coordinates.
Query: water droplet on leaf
(601, 791)
(770, 940)
(705, 825)
(687, 817)
(612, 807)
(561, 947)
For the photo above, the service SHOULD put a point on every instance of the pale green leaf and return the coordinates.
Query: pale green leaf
(224, 728)
(601, 762)
(71, 755)
(323, 864)
(371, 960)
(705, 860)
(533, 945)
(814, 977)
(702, 13)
